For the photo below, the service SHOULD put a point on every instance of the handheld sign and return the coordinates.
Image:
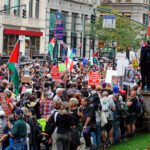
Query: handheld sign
(94, 78)
(55, 72)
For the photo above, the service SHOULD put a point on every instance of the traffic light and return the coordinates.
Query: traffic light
(24, 13)
(93, 18)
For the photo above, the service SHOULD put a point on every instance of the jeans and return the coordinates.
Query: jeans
(63, 141)
(87, 136)
(96, 136)
(19, 144)
(116, 131)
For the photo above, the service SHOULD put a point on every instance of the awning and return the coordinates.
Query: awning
(22, 32)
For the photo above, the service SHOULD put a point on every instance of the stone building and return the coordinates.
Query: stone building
(134, 9)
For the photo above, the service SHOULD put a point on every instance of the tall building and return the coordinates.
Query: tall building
(134, 9)
(33, 23)
(28, 27)
(76, 21)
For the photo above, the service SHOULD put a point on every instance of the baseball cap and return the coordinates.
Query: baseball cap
(19, 112)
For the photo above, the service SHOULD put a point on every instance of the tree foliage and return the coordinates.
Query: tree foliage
(127, 32)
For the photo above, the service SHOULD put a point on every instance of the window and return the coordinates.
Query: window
(30, 8)
(7, 6)
(37, 9)
(145, 19)
(17, 9)
(52, 19)
(74, 19)
(64, 20)
(118, 1)
(128, 1)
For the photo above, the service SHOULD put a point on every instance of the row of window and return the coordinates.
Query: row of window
(17, 10)
(64, 19)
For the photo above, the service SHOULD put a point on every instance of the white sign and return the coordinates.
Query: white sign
(109, 22)
(120, 55)
(121, 65)
(109, 75)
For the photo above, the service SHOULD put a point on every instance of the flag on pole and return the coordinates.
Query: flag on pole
(13, 66)
(51, 47)
(95, 60)
(69, 59)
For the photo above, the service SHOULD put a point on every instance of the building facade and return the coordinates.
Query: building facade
(134, 9)
(30, 30)
(76, 21)
(36, 29)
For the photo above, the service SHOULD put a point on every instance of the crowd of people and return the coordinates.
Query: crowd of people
(57, 114)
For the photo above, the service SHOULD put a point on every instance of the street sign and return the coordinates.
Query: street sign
(109, 22)
(59, 28)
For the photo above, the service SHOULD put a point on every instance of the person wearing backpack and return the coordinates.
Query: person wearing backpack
(132, 104)
(50, 128)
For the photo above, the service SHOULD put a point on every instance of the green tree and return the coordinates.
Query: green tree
(127, 32)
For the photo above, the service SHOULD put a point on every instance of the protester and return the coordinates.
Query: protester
(61, 113)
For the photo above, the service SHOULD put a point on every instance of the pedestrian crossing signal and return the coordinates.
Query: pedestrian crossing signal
(24, 13)
(93, 18)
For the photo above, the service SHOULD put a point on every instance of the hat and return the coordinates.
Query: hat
(25, 111)
(116, 90)
(19, 112)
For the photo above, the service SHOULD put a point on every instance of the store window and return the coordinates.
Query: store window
(74, 19)
(30, 8)
(9, 43)
(17, 9)
(7, 6)
(37, 9)
(64, 20)
(52, 19)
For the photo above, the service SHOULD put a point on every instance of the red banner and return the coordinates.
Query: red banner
(55, 72)
(94, 78)
(148, 31)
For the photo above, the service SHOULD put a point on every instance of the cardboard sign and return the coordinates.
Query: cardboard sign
(94, 78)
(62, 67)
(26, 79)
(55, 72)
(109, 75)
(117, 81)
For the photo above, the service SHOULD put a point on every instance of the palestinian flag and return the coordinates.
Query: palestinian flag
(95, 60)
(13, 66)
(69, 60)
(51, 47)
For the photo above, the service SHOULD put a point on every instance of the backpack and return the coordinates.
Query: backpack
(51, 123)
(121, 108)
(95, 101)
(139, 104)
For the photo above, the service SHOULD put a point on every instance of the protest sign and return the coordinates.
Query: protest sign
(62, 67)
(109, 75)
(121, 65)
(129, 76)
(94, 78)
(117, 81)
(55, 72)
(26, 79)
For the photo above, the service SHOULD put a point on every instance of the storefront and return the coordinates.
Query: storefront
(30, 40)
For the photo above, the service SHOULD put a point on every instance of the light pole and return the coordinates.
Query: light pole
(114, 44)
